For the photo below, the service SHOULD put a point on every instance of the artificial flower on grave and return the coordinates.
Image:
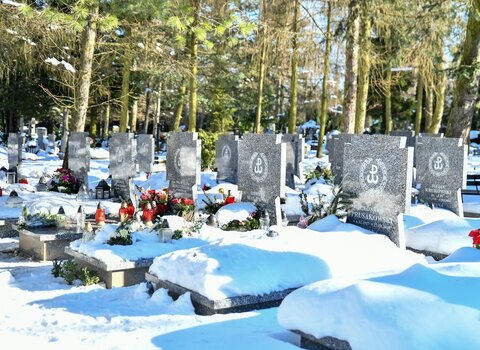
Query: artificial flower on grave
(160, 197)
(475, 234)
(64, 181)
(23, 181)
(183, 207)
(213, 205)
(123, 234)
(250, 223)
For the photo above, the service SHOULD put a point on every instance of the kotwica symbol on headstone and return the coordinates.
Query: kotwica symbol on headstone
(226, 158)
(294, 157)
(14, 151)
(441, 172)
(183, 164)
(79, 156)
(41, 133)
(261, 171)
(123, 153)
(378, 173)
(145, 152)
(336, 155)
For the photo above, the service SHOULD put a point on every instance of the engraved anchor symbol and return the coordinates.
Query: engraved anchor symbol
(372, 178)
(438, 164)
(258, 166)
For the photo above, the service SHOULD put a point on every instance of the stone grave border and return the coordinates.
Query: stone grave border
(309, 342)
(206, 306)
(121, 274)
(46, 243)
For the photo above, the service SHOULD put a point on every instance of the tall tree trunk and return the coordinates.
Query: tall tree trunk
(363, 72)
(292, 117)
(326, 72)
(192, 110)
(351, 67)
(179, 108)
(466, 86)
(428, 105)
(106, 121)
(147, 108)
(388, 99)
(418, 117)
(82, 89)
(261, 70)
(133, 124)
(158, 113)
(125, 97)
(440, 88)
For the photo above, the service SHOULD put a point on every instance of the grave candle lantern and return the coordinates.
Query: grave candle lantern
(131, 208)
(102, 190)
(265, 221)
(123, 212)
(165, 233)
(100, 215)
(80, 218)
(148, 214)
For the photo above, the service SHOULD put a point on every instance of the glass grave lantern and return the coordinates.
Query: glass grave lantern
(102, 190)
(11, 175)
(42, 185)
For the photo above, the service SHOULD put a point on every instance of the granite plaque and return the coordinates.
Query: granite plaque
(123, 153)
(409, 134)
(145, 150)
(261, 172)
(79, 156)
(441, 172)
(226, 158)
(183, 164)
(378, 173)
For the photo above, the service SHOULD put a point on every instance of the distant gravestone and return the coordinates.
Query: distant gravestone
(441, 172)
(14, 151)
(145, 150)
(337, 157)
(41, 133)
(294, 157)
(226, 158)
(122, 150)
(261, 172)
(409, 134)
(32, 124)
(378, 173)
(429, 134)
(183, 164)
(79, 156)
(51, 141)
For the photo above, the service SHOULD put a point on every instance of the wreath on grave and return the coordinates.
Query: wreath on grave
(123, 234)
(64, 181)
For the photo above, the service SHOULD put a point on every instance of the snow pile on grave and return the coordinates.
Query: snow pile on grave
(254, 264)
(397, 311)
(235, 211)
(99, 153)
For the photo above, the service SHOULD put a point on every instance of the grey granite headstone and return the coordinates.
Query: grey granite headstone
(41, 133)
(226, 158)
(123, 153)
(441, 172)
(337, 156)
(409, 134)
(51, 141)
(14, 151)
(261, 172)
(79, 156)
(294, 157)
(183, 164)
(145, 150)
(429, 134)
(378, 173)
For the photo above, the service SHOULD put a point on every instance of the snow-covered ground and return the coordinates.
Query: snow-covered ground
(369, 292)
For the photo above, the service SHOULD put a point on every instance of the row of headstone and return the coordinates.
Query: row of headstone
(377, 170)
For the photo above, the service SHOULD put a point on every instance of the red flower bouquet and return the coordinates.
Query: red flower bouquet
(475, 234)
(64, 181)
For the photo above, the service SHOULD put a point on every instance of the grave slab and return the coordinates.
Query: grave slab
(309, 342)
(122, 152)
(122, 274)
(206, 306)
(294, 156)
(7, 228)
(46, 243)
(79, 156)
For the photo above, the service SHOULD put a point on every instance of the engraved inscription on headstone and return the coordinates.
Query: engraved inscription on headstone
(378, 173)
(441, 172)
(183, 164)
(123, 152)
(145, 150)
(261, 171)
(226, 158)
(79, 156)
